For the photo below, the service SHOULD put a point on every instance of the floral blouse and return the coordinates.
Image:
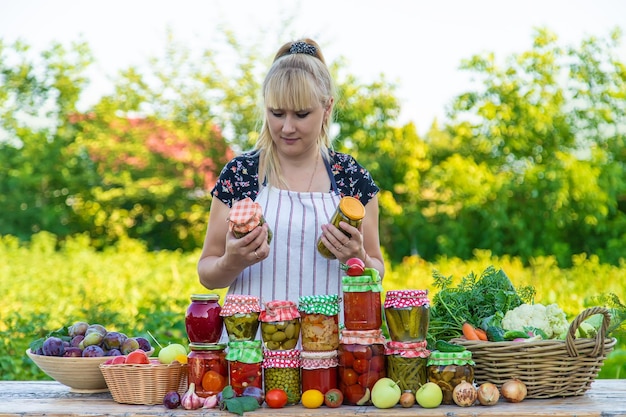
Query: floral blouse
(240, 178)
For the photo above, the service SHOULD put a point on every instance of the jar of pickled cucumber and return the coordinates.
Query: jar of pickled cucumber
(245, 361)
(241, 316)
(349, 210)
(362, 307)
(280, 325)
(207, 368)
(319, 370)
(203, 322)
(281, 369)
(319, 318)
(448, 369)
(361, 357)
(245, 215)
(406, 364)
(407, 315)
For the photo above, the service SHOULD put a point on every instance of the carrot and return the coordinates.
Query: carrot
(482, 335)
(469, 332)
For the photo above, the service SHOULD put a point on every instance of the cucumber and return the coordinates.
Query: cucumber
(443, 346)
(515, 334)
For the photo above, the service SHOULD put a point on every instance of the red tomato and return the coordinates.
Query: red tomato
(361, 366)
(346, 359)
(377, 363)
(354, 393)
(333, 398)
(349, 377)
(368, 379)
(213, 382)
(276, 398)
(362, 352)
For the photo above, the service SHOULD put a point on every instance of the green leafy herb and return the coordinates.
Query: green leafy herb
(237, 405)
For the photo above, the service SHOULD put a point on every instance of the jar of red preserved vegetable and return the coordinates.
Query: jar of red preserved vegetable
(207, 368)
(281, 369)
(241, 316)
(319, 370)
(406, 364)
(202, 319)
(362, 307)
(245, 360)
(319, 318)
(349, 210)
(407, 315)
(280, 325)
(361, 356)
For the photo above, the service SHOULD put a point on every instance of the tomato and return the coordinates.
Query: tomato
(368, 379)
(354, 393)
(362, 352)
(213, 382)
(276, 398)
(346, 359)
(377, 363)
(361, 366)
(349, 377)
(354, 267)
(333, 398)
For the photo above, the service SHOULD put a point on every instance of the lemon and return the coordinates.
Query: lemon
(312, 398)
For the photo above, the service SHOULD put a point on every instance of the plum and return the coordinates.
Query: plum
(75, 342)
(92, 339)
(53, 346)
(113, 352)
(78, 328)
(144, 344)
(113, 340)
(129, 345)
(73, 352)
(93, 351)
(171, 400)
(96, 328)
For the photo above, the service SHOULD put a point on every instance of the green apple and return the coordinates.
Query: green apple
(429, 395)
(385, 393)
(170, 353)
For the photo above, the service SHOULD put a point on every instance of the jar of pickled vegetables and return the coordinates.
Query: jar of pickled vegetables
(203, 322)
(281, 369)
(362, 307)
(280, 325)
(241, 316)
(407, 315)
(207, 368)
(319, 318)
(448, 369)
(245, 215)
(406, 364)
(361, 357)
(319, 370)
(349, 210)
(245, 360)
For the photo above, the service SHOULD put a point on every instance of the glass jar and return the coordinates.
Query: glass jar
(281, 369)
(319, 318)
(448, 369)
(362, 307)
(349, 210)
(245, 360)
(202, 319)
(280, 325)
(406, 364)
(207, 368)
(361, 357)
(319, 370)
(244, 216)
(241, 316)
(407, 315)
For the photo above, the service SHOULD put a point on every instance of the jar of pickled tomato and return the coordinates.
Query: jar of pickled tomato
(202, 319)
(319, 318)
(349, 210)
(319, 370)
(281, 369)
(280, 325)
(245, 360)
(207, 368)
(407, 315)
(246, 215)
(361, 356)
(241, 316)
(406, 364)
(362, 307)
(449, 369)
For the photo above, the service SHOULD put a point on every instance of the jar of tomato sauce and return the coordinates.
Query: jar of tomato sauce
(281, 369)
(319, 370)
(207, 368)
(361, 356)
(280, 325)
(406, 364)
(407, 314)
(362, 307)
(241, 316)
(349, 210)
(319, 317)
(202, 319)
(245, 360)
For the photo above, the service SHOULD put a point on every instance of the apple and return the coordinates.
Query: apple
(172, 352)
(137, 357)
(429, 395)
(385, 393)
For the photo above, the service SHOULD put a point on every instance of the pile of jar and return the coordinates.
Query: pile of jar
(302, 346)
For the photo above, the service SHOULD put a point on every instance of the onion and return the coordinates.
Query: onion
(514, 390)
(464, 394)
(488, 394)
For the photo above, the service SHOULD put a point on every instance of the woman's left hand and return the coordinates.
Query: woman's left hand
(342, 246)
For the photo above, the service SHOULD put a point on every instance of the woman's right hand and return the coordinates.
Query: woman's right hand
(248, 250)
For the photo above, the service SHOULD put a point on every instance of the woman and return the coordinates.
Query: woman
(298, 180)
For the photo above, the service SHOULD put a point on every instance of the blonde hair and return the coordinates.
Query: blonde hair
(295, 81)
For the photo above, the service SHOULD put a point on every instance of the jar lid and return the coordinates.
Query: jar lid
(235, 303)
(205, 297)
(369, 281)
(407, 349)
(245, 215)
(317, 360)
(450, 358)
(281, 358)
(246, 351)
(327, 304)
(279, 310)
(406, 298)
(206, 346)
(362, 337)
(352, 208)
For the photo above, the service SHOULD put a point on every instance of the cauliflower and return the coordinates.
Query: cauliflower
(550, 319)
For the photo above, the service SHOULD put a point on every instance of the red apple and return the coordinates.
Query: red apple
(137, 356)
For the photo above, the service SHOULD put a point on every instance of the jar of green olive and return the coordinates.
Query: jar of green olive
(406, 364)
(241, 316)
(407, 315)
(349, 210)
(448, 369)
(281, 369)
(280, 325)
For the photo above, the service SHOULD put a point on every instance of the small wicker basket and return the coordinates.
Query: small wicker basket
(144, 384)
(549, 368)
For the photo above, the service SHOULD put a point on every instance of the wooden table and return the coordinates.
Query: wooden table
(42, 398)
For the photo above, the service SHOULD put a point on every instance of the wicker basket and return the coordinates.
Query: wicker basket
(144, 384)
(549, 368)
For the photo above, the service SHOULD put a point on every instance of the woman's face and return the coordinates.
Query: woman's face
(296, 132)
